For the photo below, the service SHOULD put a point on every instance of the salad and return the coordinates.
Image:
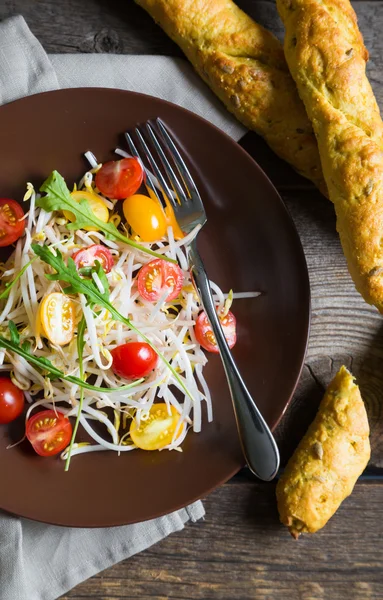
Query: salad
(99, 321)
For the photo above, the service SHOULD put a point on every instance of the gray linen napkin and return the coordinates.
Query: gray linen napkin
(42, 562)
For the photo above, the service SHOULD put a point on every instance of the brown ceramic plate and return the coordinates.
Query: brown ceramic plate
(249, 243)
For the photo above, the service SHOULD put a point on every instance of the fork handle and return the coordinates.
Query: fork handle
(258, 444)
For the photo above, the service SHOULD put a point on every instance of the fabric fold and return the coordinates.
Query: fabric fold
(25, 68)
(42, 562)
(171, 79)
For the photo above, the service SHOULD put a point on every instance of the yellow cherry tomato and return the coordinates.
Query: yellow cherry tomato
(145, 217)
(170, 218)
(157, 430)
(57, 318)
(96, 205)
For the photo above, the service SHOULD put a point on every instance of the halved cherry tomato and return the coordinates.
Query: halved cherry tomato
(96, 204)
(134, 360)
(86, 257)
(146, 217)
(11, 225)
(157, 430)
(49, 432)
(120, 179)
(205, 336)
(157, 276)
(57, 318)
(11, 401)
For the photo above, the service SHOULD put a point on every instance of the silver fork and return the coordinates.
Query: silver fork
(258, 444)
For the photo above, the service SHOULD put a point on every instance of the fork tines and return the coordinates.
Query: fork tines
(182, 183)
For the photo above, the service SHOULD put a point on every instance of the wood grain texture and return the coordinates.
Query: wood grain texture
(343, 330)
(241, 551)
(116, 26)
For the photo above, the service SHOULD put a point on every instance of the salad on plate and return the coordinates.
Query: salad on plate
(100, 325)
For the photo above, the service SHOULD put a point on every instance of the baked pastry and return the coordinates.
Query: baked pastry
(324, 468)
(245, 66)
(327, 59)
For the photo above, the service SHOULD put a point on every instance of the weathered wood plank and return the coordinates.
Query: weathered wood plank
(241, 551)
(228, 556)
(91, 26)
(344, 328)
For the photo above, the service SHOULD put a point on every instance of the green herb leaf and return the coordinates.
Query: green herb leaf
(15, 337)
(58, 197)
(80, 351)
(102, 277)
(45, 365)
(86, 271)
(97, 268)
(26, 345)
(81, 344)
(69, 274)
(14, 346)
(10, 284)
(95, 297)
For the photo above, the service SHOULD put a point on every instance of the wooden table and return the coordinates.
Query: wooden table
(241, 551)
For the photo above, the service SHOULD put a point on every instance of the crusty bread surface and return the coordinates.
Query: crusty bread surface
(327, 59)
(245, 66)
(324, 468)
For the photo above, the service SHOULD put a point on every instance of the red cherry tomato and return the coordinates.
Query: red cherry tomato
(134, 360)
(11, 400)
(120, 179)
(205, 336)
(157, 276)
(49, 432)
(11, 225)
(86, 257)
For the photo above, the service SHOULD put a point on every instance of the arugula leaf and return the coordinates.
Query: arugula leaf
(15, 338)
(69, 274)
(80, 351)
(86, 271)
(81, 344)
(57, 197)
(26, 345)
(14, 346)
(102, 277)
(55, 373)
(10, 284)
(90, 290)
